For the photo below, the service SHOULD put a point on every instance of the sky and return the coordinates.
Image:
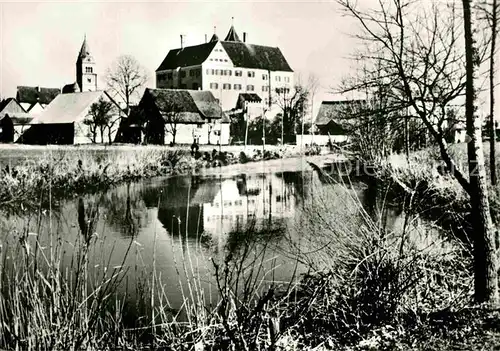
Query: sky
(40, 41)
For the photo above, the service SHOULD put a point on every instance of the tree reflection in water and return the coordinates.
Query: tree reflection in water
(125, 209)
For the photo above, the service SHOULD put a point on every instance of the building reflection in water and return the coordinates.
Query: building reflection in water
(191, 206)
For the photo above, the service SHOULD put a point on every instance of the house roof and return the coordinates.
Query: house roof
(71, 88)
(334, 111)
(250, 97)
(69, 108)
(10, 105)
(188, 56)
(256, 56)
(32, 95)
(193, 106)
(241, 54)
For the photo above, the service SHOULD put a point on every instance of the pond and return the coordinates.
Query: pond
(174, 232)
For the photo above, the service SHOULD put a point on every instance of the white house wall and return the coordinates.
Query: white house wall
(229, 209)
(186, 134)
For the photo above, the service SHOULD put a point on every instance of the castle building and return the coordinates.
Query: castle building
(231, 69)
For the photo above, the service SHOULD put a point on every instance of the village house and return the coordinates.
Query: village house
(64, 121)
(332, 123)
(34, 99)
(186, 115)
(231, 69)
(13, 120)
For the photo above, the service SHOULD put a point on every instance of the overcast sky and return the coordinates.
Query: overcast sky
(40, 41)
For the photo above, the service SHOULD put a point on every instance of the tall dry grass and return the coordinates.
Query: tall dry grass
(367, 274)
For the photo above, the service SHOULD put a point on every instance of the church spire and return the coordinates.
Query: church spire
(84, 51)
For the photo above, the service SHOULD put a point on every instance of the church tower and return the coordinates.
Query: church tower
(86, 75)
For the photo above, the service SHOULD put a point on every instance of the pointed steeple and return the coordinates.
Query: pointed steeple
(84, 51)
(232, 35)
(214, 38)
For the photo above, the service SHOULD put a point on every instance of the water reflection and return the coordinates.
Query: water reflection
(174, 220)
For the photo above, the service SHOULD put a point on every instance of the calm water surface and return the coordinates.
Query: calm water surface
(178, 228)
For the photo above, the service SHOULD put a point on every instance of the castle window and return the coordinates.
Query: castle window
(88, 70)
(208, 71)
(214, 85)
(265, 88)
(287, 79)
(237, 87)
(198, 72)
(238, 73)
(226, 86)
(250, 87)
(251, 74)
(277, 78)
(264, 77)
(229, 72)
(192, 73)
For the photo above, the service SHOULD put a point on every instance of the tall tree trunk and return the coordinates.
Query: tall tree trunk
(485, 265)
(493, 138)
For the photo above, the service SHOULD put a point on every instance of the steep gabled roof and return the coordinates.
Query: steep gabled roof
(10, 105)
(335, 111)
(188, 56)
(193, 106)
(256, 56)
(241, 54)
(32, 95)
(250, 97)
(69, 108)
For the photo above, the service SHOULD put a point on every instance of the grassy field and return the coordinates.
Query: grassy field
(13, 154)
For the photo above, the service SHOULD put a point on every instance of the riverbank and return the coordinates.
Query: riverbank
(379, 291)
(35, 175)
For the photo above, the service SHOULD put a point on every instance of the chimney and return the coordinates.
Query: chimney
(206, 39)
(244, 37)
(182, 41)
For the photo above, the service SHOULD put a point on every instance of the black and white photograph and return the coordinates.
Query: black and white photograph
(249, 175)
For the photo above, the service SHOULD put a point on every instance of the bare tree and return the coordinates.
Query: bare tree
(485, 267)
(489, 10)
(102, 119)
(293, 104)
(125, 78)
(172, 116)
(415, 50)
